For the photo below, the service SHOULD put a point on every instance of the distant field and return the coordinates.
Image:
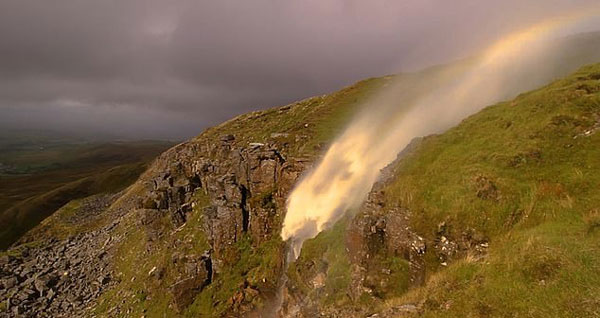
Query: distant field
(39, 174)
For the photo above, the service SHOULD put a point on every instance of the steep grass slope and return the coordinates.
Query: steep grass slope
(526, 173)
(523, 174)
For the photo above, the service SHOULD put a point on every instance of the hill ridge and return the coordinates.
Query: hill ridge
(203, 222)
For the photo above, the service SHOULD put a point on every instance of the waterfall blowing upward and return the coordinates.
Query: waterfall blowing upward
(401, 112)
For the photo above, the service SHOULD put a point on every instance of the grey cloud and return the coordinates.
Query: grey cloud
(171, 68)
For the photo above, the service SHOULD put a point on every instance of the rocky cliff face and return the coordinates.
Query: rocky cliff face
(246, 188)
(379, 231)
(245, 185)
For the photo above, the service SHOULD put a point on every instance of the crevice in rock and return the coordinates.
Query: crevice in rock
(195, 182)
(244, 207)
(209, 269)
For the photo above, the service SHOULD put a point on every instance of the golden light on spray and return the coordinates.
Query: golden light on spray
(345, 175)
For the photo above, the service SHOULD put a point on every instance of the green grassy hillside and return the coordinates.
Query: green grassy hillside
(525, 174)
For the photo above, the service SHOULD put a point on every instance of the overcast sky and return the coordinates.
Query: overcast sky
(169, 69)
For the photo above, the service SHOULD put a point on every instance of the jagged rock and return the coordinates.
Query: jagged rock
(50, 294)
(41, 284)
(103, 279)
(384, 231)
(184, 291)
(10, 282)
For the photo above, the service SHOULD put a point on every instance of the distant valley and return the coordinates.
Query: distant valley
(42, 170)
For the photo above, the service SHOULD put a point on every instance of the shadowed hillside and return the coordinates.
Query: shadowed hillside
(41, 174)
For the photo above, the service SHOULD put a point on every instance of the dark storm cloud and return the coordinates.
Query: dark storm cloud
(171, 68)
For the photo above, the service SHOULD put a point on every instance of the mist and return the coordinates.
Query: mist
(424, 104)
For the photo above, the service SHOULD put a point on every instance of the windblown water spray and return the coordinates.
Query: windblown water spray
(341, 181)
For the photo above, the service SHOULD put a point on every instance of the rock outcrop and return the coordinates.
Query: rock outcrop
(246, 186)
